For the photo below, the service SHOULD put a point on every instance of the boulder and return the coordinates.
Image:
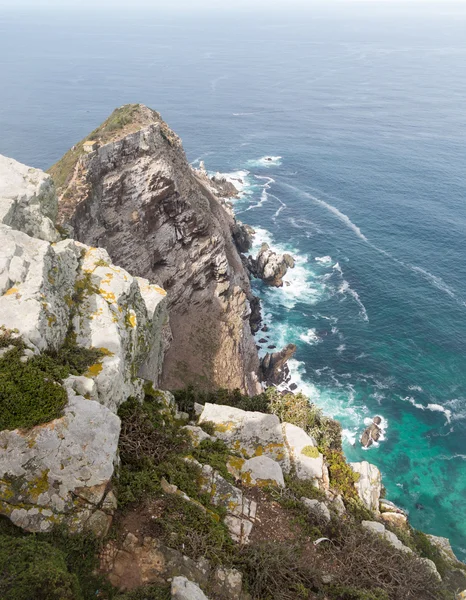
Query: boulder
(262, 471)
(270, 266)
(379, 529)
(443, 544)
(372, 433)
(369, 485)
(273, 366)
(197, 434)
(386, 506)
(248, 433)
(317, 509)
(395, 519)
(242, 236)
(183, 589)
(28, 201)
(60, 472)
(307, 461)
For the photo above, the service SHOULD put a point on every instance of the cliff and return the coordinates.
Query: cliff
(136, 195)
(210, 493)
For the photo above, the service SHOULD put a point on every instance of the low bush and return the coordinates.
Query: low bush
(342, 477)
(30, 391)
(147, 592)
(193, 530)
(214, 453)
(32, 569)
(277, 571)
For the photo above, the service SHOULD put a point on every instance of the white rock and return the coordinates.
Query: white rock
(379, 528)
(49, 465)
(27, 200)
(183, 589)
(262, 471)
(249, 433)
(300, 445)
(197, 434)
(369, 485)
(318, 509)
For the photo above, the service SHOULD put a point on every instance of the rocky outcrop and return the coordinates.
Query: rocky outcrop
(27, 200)
(270, 266)
(137, 196)
(273, 366)
(369, 484)
(60, 472)
(243, 236)
(372, 433)
(255, 434)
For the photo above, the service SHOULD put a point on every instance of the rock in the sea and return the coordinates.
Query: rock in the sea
(372, 433)
(369, 484)
(270, 266)
(262, 471)
(273, 366)
(183, 589)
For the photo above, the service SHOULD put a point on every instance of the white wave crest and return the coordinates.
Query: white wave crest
(265, 161)
(310, 337)
(432, 407)
(323, 260)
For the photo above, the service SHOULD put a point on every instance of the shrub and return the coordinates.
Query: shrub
(33, 569)
(351, 593)
(276, 571)
(214, 453)
(342, 477)
(30, 392)
(193, 530)
(147, 592)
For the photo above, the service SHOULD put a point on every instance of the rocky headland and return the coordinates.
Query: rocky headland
(145, 451)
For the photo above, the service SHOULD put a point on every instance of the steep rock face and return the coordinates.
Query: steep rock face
(137, 196)
(27, 200)
(60, 471)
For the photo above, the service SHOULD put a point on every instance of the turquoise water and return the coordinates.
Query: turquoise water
(362, 109)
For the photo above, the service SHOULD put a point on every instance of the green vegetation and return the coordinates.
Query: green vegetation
(342, 476)
(277, 571)
(147, 592)
(30, 390)
(33, 569)
(214, 453)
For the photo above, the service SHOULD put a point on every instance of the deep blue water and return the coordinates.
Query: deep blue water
(364, 105)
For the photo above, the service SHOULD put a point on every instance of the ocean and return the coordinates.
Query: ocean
(361, 108)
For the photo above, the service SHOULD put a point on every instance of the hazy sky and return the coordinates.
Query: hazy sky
(191, 4)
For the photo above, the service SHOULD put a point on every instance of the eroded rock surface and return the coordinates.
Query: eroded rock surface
(270, 266)
(274, 368)
(137, 196)
(369, 485)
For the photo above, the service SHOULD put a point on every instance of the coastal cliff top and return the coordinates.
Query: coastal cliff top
(123, 121)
